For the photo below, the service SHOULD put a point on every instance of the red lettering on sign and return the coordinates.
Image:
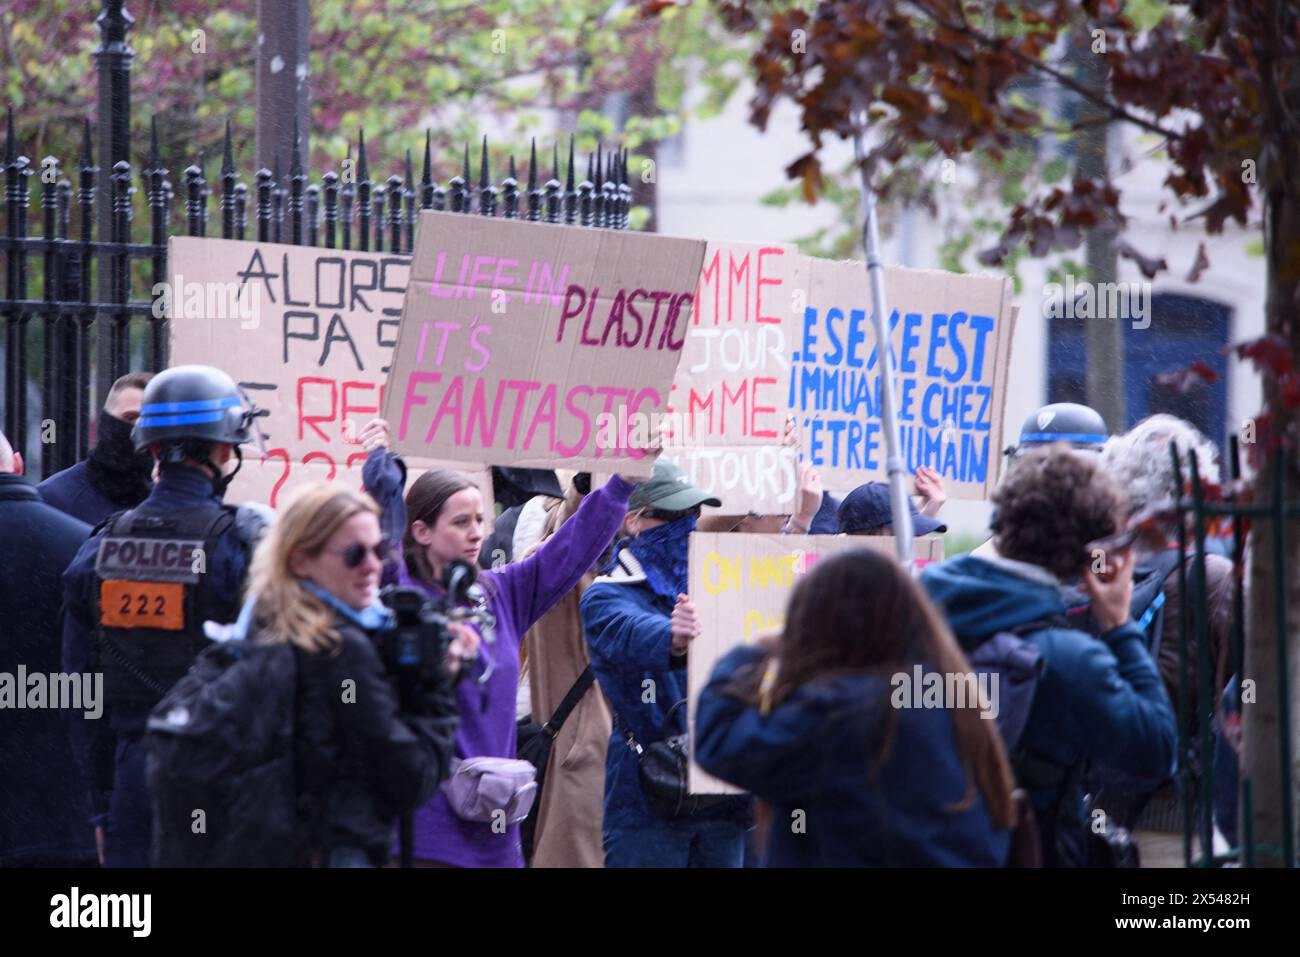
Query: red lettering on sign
(755, 408)
(758, 305)
(310, 420)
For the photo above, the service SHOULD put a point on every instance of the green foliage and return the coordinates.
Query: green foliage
(390, 67)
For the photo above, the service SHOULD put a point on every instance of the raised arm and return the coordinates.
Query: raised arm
(537, 582)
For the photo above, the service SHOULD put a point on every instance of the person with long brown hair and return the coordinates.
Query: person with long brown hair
(851, 772)
(441, 521)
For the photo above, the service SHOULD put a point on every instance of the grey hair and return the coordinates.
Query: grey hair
(6, 454)
(1139, 462)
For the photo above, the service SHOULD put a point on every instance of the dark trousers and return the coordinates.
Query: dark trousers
(679, 843)
(128, 833)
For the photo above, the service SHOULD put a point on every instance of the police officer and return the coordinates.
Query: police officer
(1079, 425)
(138, 592)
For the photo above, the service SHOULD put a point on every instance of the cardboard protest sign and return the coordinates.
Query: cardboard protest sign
(727, 410)
(951, 341)
(741, 584)
(309, 333)
(539, 345)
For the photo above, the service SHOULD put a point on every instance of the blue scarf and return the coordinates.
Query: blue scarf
(664, 555)
(375, 617)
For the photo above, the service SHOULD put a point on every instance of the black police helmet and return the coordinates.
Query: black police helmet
(192, 402)
(1080, 425)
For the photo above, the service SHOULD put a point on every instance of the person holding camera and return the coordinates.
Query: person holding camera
(362, 756)
(809, 721)
(442, 521)
(1099, 699)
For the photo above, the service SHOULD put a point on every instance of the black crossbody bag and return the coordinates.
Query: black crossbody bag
(534, 745)
(664, 768)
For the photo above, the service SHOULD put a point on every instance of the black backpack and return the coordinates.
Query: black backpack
(221, 762)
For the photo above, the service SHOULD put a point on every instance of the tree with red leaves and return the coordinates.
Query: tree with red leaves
(1217, 80)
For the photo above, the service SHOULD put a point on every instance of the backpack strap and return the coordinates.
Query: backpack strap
(575, 694)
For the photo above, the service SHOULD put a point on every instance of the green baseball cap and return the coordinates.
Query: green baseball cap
(669, 489)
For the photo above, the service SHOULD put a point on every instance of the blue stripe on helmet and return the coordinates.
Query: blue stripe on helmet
(197, 405)
(1087, 437)
(187, 418)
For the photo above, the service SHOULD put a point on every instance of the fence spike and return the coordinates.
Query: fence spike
(11, 144)
(295, 167)
(87, 157)
(228, 151)
(154, 158)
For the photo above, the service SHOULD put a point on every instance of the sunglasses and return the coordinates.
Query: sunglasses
(356, 553)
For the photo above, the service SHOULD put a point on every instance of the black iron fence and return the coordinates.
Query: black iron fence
(348, 211)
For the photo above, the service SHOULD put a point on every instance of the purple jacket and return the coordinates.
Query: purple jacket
(519, 594)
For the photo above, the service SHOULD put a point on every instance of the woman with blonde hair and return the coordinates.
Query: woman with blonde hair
(852, 773)
(362, 759)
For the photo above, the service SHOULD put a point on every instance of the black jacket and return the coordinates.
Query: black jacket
(361, 762)
(44, 815)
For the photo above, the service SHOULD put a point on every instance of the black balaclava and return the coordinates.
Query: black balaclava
(124, 475)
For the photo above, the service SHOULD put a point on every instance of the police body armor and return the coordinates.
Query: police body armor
(153, 595)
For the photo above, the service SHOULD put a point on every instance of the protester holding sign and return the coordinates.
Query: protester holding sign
(443, 520)
(808, 722)
(640, 625)
(867, 510)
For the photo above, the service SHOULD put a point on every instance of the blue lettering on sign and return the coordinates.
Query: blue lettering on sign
(940, 422)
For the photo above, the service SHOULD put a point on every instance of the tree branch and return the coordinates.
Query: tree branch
(1116, 111)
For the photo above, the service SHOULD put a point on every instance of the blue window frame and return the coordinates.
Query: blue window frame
(1183, 328)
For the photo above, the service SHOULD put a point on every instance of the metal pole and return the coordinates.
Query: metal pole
(894, 465)
(113, 62)
(283, 82)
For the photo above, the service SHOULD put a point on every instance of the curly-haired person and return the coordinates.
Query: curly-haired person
(1100, 699)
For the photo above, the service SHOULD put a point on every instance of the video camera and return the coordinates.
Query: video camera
(415, 650)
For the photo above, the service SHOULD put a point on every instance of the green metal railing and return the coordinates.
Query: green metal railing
(1268, 518)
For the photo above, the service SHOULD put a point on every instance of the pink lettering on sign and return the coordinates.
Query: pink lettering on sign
(486, 274)
(737, 281)
(538, 413)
